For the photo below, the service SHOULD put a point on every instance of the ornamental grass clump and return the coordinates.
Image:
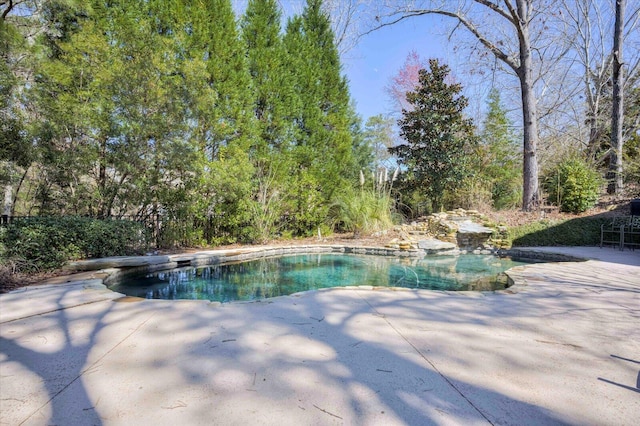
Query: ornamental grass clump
(366, 210)
(361, 212)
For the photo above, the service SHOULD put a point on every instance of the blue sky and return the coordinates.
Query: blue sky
(379, 55)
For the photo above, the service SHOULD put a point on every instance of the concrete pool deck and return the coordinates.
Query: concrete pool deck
(560, 347)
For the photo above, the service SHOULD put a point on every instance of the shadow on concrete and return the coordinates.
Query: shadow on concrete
(57, 358)
(55, 350)
(323, 357)
(326, 357)
(306, 360)
(634, 389)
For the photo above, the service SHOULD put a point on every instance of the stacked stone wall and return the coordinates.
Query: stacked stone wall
(455, 230)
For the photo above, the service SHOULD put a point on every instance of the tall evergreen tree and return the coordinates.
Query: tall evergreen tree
(437, 133)
(66, 92)
(148, 85)
(271, 78)
(323, 152)
(225, 124)
(275, 103)
(500, 157)
(16, 153)
(112, 132)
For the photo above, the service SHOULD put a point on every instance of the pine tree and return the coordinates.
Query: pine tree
(274, 102)
(501, 159)
(437, 134)
(220, 84)
(324, 149)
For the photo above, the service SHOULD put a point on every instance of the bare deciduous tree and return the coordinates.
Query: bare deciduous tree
(345, 22)
(588, 28)
(511, 20)
(615, 166)
(345, 17)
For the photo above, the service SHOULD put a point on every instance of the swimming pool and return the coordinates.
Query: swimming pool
(284, 275)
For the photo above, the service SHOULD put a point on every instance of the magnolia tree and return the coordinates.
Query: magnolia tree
(510, 31)
(437, 134)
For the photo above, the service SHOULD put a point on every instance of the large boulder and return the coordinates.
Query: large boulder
(473, 236)
(433, 245)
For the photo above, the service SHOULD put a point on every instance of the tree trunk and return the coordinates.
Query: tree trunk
(8, 200)
(530, 160)
(17, 191)
(105, 209)
(593, 115)
(529, 114)
(594, 137)
(617, 115)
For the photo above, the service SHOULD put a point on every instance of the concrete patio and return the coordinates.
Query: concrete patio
(562, 346)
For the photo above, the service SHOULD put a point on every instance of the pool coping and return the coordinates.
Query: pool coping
(95, 277)
(119, 268)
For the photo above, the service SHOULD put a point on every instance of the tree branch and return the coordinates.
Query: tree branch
(518, 17)
(8, 9)
(498, 9)
(388, 24)
(514, 14)
(461, 19)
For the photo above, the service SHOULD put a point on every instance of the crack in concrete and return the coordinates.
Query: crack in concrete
(87, 369)
(424, 357)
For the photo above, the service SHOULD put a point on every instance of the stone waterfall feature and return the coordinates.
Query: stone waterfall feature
(449, 233)
(472, 235)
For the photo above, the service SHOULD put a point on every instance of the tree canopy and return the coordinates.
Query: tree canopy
(228, 128)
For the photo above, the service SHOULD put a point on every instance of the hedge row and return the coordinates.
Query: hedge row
(46, 243)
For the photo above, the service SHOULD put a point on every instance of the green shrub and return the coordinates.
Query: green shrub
(46, 243)
(574, 185)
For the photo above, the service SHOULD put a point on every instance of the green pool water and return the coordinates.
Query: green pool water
(279, 276)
